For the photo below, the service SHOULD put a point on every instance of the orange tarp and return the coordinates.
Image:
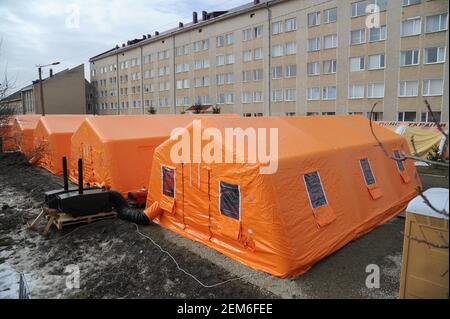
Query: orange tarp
(333, 184)
(52, 140)
(23, 132)
(117, 151)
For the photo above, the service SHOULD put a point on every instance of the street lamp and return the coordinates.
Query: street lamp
(41, 90)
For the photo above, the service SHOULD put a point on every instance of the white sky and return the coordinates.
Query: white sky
(43, 31)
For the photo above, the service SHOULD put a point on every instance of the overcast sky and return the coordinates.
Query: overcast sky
(43, 31)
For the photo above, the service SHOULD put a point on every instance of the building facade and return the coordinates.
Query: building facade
(66, 92)
(297, 57)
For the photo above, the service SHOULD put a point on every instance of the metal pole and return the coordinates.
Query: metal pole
(41, 91)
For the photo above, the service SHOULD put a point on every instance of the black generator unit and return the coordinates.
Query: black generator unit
(78, 201)
(89, 202)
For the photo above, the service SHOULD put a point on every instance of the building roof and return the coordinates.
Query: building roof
(16, 96)
(212, 17)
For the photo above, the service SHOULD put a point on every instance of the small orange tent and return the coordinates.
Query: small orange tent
(117, 151)
(23, 132)
(52, 140)
(332, 184)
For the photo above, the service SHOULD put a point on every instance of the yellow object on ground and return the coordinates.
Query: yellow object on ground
(425, 248)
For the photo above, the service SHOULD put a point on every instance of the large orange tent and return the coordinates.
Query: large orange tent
(117, 151)
(332, 185)
(52, 140)
(23, 129)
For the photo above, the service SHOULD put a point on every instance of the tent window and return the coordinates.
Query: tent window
(400, 165)
(230, 200)
(315, 190)
(367, 171)
(168, 181)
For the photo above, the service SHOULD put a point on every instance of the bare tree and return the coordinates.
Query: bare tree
(6, 110)
(405, 157)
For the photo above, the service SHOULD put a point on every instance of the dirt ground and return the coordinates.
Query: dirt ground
(116, 262)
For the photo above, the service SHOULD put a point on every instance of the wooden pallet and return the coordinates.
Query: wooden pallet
(66, 219)
(59, 220)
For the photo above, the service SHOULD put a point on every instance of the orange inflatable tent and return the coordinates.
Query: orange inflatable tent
(6, 135)
(52, 140)
(332, 185)
(117, 151)
(23, 132)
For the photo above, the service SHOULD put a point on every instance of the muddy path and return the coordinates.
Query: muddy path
(114, 260)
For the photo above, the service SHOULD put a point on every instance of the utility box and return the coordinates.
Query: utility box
(424, 272)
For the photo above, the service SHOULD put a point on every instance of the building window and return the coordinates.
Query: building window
(314, 19)
(411, 27)
(329, 93)
(277, 27)
(358, 9)
(247, 55)
(230, 200)
(313, 94)
(258, 74)
(291, 70)
(291, 24)
(246, 76)
(257, 97)
(277, 72)
(313, 68)
(357, 64)
(290, 95)
(376, 61)
(258, 31)
(358, 37)
(375, 90)
(202, 81)
(229, 38)
(229, 58)
(246, 35)
(408, 88)
(410, 57)
(291, 48)
(330, 41)
(410, 2)
(330, 15)
(436, 23)
(313, 44)
(201, 45)
(277, 50)
(432, 87)
(430, 117)
(377, 34)
(356, 91)
(230, 98)
(257, 54)
(434, 55)
(277, 95)
(246, 97)
(407, 116)
(329, 66)
(220, 41)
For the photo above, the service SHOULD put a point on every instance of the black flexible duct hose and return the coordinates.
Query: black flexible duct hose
(125, 212)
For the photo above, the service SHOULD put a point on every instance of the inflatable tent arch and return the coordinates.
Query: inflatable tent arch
(52, 139)
(117, 151)
(23, 132)
(333, 184)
